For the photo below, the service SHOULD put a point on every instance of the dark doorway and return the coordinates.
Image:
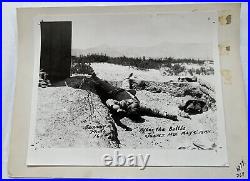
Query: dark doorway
(55, 57)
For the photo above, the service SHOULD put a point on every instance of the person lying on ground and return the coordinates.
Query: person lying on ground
(124, 101)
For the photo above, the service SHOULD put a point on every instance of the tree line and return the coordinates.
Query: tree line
(173, 66)
(137, 62)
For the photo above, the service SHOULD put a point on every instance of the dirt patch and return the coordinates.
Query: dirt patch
(70, 114)
(68, 117)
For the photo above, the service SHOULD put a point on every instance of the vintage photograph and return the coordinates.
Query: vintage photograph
(128, 81)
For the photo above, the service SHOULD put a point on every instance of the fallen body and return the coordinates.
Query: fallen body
(123, 102)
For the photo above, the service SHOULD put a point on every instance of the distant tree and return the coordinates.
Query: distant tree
(197, 71)
(190, 72)
(142, 63)
(177, 69)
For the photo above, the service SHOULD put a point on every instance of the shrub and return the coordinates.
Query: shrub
(81, 64)
(81, 68)
(177, 69)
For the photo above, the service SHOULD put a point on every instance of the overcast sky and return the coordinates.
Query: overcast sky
(145, 30)
(141, 30)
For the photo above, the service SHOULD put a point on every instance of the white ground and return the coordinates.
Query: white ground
(117, 72)
(69, 117)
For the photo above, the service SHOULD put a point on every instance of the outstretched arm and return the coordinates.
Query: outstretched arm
(144, 111)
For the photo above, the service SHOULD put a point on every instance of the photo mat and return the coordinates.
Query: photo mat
(176, 74)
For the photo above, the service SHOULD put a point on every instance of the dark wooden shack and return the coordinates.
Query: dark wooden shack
(55, 57)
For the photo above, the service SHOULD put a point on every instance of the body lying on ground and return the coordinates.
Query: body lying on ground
(123, 102)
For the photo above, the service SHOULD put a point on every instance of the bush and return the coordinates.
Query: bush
(81, 68)
(190, 72)
(81, 64)
(197, 71)
(177, 69)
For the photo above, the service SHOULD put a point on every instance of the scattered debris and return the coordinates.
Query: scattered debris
(187, 79)
(43, 79)
(90, 123)
(194, 107)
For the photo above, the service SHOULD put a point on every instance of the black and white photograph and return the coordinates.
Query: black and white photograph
(134, 83)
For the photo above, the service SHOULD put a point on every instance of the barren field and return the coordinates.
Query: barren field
(71, 115)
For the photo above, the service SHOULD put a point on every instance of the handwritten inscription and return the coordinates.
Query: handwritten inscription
(239, 169)
(189, 133)
(97, 130)
(171, 131)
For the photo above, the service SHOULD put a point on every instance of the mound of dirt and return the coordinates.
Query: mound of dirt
(70, 114)
(200, 91)
(72, 117)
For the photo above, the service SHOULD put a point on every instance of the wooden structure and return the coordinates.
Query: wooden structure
(55, 57)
